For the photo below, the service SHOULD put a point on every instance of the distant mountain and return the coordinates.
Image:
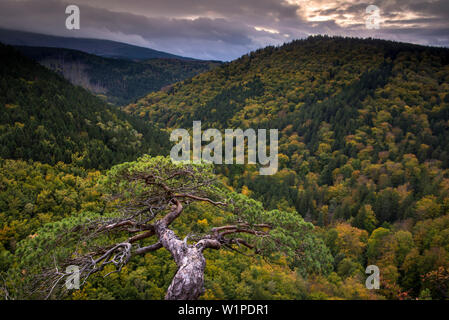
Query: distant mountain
(118, 81)
(104, 48)
(44, 118)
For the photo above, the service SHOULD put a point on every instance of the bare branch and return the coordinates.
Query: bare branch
(142, 236)
(147, 249)
(191, 196)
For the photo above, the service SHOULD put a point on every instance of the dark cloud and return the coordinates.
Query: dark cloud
(226, 29)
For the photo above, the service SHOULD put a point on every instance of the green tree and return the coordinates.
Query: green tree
(153, 193)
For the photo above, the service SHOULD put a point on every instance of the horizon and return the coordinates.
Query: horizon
(210, 30)
(223, 61)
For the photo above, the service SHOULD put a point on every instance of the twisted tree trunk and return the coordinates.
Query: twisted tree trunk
(188, 282)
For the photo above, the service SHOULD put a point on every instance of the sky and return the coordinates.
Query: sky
(226, 29)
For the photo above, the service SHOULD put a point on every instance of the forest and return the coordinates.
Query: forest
(45, 118)
(117, 81)
(363, 175)
(363, 148)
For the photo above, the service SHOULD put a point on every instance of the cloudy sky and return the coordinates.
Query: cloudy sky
(226, 29)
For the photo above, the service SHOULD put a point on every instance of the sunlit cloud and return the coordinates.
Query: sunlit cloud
(266, 30)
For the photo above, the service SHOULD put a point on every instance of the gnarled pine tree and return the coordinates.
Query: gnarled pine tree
(150, 195)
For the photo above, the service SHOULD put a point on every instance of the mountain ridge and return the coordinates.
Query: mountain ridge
(99, 47)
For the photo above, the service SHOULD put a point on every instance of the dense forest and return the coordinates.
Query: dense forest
(45, 118)
(118, 81)
(363, 176)
(364, 146)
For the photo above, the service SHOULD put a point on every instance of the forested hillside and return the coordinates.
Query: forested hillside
(118, 81)
(363, 176)
(364, 148)
(45, 118)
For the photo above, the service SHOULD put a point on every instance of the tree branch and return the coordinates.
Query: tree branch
(147, 249)
(191, 196)
(208, 243)
(172, 215)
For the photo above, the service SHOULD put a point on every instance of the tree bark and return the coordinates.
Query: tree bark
(188, 282)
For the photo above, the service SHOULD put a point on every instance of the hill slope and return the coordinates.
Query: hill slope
(363, 150)
(104, 48)
(45, 118)
(119, 81)
(362, 122)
